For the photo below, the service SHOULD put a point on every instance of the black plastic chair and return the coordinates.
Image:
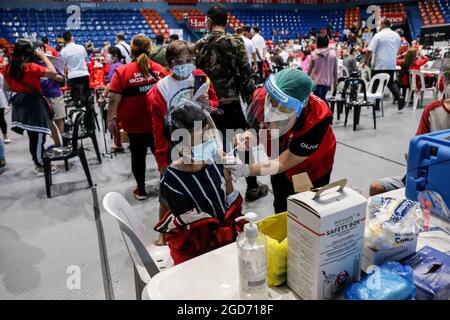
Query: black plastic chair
(352, 86)
(87, 129)
(65, 153)
(336, 99)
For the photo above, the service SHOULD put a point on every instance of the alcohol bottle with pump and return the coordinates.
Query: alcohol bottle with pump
(252, 256)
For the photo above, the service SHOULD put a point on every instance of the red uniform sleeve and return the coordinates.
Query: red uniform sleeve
(116, 85)
(158, 107)
(424, 124)
(213, 99)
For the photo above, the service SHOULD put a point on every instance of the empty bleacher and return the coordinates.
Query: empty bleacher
(156, 23)
(291, 22)
(234, 22)
(182, 14)
(352, 15)
(430, 13)
(97, 25)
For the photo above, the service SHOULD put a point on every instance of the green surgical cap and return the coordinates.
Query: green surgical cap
(295, 83)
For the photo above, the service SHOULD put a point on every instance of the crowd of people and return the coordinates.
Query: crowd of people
(152, 89)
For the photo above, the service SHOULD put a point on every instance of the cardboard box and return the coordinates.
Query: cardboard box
(325, 237)
(377, 258)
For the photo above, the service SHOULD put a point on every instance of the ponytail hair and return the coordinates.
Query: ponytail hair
(140, 51)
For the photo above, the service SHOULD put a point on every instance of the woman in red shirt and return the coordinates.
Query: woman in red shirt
(22, 76)
(410, 62)
(127, 102)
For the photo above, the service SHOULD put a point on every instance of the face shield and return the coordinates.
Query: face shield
(194, 133)
(279, 113)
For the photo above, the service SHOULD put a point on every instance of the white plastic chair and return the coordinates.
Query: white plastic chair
(414, 88)
(142, 251)
(377, 96)
(438, 94)
(366, 75)
(343, 72)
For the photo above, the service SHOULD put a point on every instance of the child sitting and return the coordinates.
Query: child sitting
(199, 192)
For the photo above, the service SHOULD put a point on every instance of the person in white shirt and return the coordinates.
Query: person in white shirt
(384, 48)
(260, 46)
(251, 51)
(74, 57)
(284, 54)
(123, 47)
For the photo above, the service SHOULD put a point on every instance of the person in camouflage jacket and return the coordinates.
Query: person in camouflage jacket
(223, 58)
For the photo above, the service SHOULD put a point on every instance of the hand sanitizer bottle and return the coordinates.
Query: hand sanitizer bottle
(252, 256)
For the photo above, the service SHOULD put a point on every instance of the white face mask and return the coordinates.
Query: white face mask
(278, 122)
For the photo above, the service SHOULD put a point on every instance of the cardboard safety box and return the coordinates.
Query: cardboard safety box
(325, 236)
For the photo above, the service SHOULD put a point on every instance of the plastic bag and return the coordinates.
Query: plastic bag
(275, 229)
(392, 223)
(390, 281)
(433, 205)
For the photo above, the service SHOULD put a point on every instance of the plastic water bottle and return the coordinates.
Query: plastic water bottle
(252, 256)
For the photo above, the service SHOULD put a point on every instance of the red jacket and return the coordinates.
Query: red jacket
(133, 113)
(204, 233)
(164, 96)
(321, 161)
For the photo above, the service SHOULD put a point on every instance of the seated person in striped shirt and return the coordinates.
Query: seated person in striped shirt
(199, 192)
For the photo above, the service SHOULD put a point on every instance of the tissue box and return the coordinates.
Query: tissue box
(377, 258)
(325, 237)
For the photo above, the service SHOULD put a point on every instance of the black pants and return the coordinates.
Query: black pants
(321, 91)
(79, 88)
(392, 85)
(233, 118)
(3, 126)
(37, 141)
(139, 142)
(260, 72)
(282, 188)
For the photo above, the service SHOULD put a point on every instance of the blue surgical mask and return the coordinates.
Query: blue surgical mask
(184, 70)
(204, 151)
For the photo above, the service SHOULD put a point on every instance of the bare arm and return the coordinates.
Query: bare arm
(228, 181)
(114, 100)
(368, 58)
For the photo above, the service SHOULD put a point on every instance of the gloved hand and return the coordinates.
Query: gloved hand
(236, 167)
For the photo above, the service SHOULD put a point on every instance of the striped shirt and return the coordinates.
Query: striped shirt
(203, 191)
